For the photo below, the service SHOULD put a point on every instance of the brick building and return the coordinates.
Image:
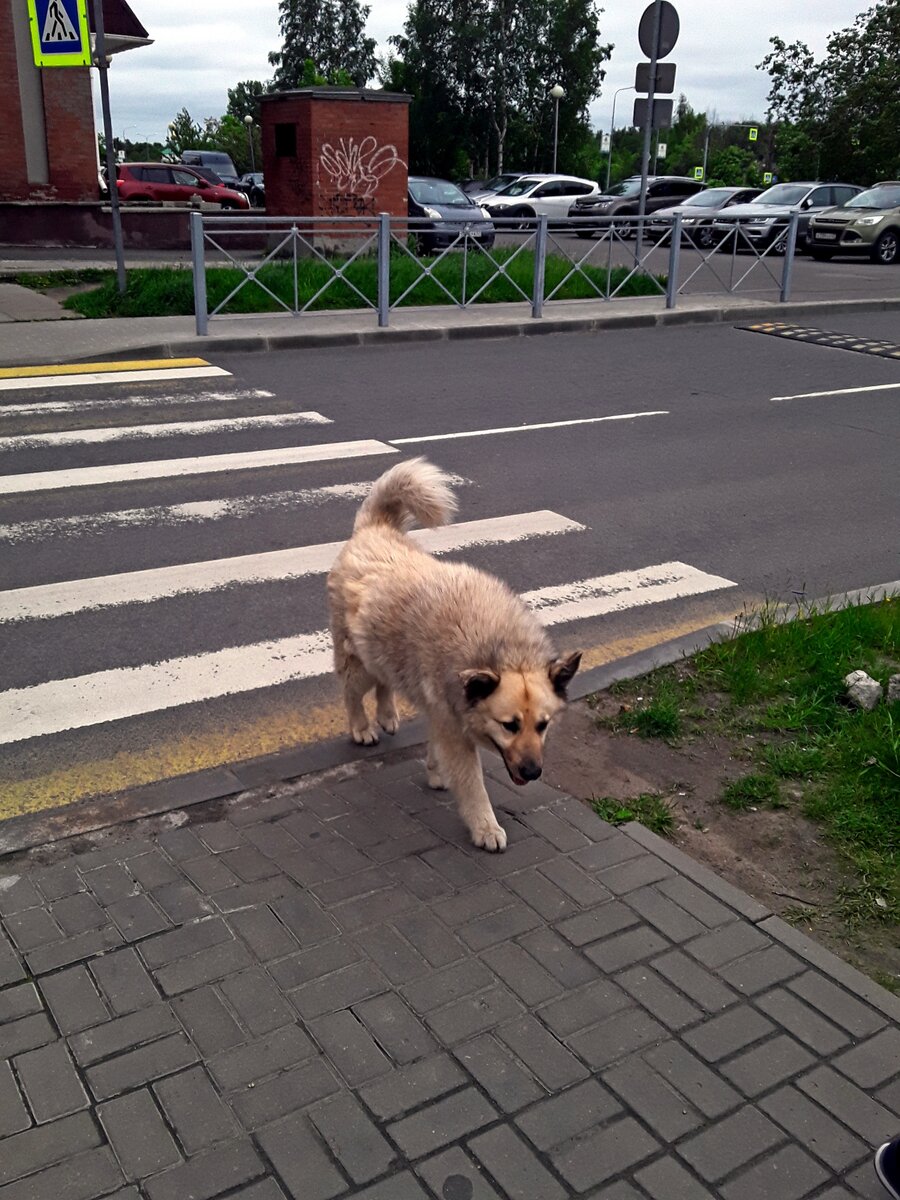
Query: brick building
(48, 144)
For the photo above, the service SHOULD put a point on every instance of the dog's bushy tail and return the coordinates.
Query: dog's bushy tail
(412, 492)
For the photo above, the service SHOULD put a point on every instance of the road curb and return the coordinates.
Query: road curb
(219, 783)
(312, 339)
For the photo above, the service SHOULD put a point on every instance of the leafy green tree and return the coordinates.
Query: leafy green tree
(243, 98)
(185, 134)
(329, 33)
(842, 110)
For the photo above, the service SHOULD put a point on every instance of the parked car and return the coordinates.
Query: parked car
(623, 199)
(697, 213)
(490, 187)
(537, 195)
(217, 160)
(161, 183)
(254, 185)
(764, 223)
(868, 223)
(446, 208)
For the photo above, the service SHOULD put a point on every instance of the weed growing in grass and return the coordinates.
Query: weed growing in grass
(648, 808)
(749, 790)
(792, 761)
(656, 715)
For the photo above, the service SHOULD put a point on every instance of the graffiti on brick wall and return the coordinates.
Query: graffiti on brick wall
(356, 168)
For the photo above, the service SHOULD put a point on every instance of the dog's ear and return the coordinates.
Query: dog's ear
(561, 671)
(479, 684)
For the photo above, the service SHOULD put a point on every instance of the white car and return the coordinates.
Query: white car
(536, 195)
(490, 189)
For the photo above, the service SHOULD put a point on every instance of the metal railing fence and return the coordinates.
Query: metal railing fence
(462, 261)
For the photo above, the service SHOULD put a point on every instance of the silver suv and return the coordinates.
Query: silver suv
(764, 223)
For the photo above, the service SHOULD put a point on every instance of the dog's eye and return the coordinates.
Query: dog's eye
(512, 726)
(541, 726)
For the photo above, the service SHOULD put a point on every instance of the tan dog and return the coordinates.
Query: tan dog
(453, 640)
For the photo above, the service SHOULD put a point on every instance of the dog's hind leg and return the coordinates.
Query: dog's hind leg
(460, 768)
(357, 685)
(432, 769)
(385, 708)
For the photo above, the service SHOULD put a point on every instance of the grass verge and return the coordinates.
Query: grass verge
(168, 291)
(779, 690)
(649, 808)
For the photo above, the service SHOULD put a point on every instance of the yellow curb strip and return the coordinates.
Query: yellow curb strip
(138, 364)
(282, 728)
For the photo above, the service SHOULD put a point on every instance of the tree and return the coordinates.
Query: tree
(185, 134)
(330, 34)
(243, 98)
(838, 115)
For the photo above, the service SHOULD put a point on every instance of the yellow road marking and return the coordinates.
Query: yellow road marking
(281, 728)
(138, 364)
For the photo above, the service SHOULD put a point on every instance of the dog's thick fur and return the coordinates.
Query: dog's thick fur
(453, 640)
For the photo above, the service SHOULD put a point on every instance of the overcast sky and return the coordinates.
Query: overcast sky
(203, 47)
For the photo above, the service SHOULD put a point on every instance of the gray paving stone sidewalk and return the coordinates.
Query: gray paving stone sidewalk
(324, 992)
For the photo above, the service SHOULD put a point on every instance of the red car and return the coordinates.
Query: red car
(155, 183)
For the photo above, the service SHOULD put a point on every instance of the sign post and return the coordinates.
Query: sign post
(111, 174)
(657, 35)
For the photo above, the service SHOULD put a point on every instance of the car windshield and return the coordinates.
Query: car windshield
(628, 187)
(498, 182)
(714, 198)
(519, 187)
(438, 191)
(885, 195)
(783, 193)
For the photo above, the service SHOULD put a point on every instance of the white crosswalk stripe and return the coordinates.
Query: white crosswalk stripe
(167, 374)
(141, 587)
(168, 429)
(48, 408)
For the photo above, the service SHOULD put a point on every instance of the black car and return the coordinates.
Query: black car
(623, 199)
(254, 185)
(445, 210)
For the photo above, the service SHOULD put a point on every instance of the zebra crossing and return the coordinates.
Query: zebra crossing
(163, 542)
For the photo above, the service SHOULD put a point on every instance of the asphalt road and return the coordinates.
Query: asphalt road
(127, 672)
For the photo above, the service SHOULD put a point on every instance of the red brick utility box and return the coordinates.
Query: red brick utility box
(335, 152)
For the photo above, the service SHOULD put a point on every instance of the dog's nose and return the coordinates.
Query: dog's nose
(530, 769)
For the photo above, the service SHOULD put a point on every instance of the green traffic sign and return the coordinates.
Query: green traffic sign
(753, 134)
(698, 172)
(767, 177)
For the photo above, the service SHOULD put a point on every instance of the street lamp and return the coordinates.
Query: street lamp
(612, 126)
(557, 92)
(248, 121)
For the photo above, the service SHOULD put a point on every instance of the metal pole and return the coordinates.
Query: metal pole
(674, 254)
(790, 248)
(648, 125)
(612, 125)
(540, 263)
(706, 150)
(555, 132)
(384, 269)
(252, 152)
(198, 260)
(111, 173)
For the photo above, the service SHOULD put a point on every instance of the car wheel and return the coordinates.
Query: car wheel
(526, 218)
(779, 245)
(887, 249)
(822, 255)
(705, 239)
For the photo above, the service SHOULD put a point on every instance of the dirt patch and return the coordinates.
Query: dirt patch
(778, 856)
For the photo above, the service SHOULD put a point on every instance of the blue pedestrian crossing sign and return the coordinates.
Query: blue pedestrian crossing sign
(60, 34)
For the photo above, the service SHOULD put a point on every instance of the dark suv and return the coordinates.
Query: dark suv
(623, 199)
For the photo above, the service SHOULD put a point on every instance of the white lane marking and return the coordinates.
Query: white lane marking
(21, 383)
(170, 468)
(113, 695)
(56, 407)
(626, 589)
(443, 437)
(191, 513)
(160, 583)
(116, 433)
(875, 387)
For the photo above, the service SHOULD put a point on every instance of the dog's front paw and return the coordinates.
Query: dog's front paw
(488, 835)
(435, 779)
(365, 735)
(389, 722)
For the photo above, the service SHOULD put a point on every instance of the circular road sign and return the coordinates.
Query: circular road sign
(668, 29)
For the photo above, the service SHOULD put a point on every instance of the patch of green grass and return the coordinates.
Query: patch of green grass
(785, 678)
(757, 788)
(648, 808)
(168, 291)
(654, 715)
(55, 279)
